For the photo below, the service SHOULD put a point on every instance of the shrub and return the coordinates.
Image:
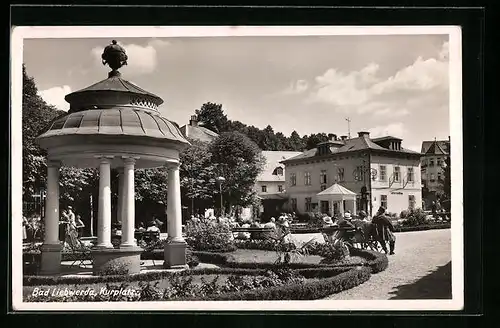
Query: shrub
(415, 217)
(207, 236)
(191, 260)
(308, 290)
(403, 214)
(116, 268)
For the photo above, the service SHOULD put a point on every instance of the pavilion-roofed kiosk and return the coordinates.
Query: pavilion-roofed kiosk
(113, 124)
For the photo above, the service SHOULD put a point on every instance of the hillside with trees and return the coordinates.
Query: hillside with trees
(212, 117)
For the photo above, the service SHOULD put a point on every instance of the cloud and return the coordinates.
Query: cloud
(297, 87)
(392, 129)
(55, 96)
(141, 59)
(364, 91)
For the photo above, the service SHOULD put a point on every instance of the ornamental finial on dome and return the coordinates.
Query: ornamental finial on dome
(114, 55)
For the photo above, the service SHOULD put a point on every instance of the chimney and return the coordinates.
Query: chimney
(193, 121)
(364, 134)
(344, 138)
(332, 136)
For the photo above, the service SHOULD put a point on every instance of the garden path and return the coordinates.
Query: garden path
(420, 269)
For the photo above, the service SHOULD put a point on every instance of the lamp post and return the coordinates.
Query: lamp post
(221, 180)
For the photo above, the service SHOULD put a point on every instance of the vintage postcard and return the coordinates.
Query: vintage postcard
(237, 168)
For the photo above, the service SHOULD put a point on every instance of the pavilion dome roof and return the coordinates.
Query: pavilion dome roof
(117, 121)
(114, 107)
(112, 91)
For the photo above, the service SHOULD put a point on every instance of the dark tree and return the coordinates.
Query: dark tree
(239, 161)
(295, 142)
(314, 139)
(36, 117)
(212, 117)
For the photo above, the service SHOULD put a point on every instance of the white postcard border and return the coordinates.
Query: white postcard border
(455, 77)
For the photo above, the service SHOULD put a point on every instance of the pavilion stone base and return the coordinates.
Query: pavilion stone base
(175, 255)
(51, 259)
(121, 261)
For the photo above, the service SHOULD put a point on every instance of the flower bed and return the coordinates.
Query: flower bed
(243, 284)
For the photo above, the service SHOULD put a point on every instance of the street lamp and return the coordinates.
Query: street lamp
(221, 180)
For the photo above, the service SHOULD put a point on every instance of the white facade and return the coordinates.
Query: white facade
(396, 193)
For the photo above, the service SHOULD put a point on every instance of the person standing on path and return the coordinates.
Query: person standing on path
(384, 231)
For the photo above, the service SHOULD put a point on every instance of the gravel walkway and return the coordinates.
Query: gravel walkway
(420, 269)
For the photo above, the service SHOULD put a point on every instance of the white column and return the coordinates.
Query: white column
(52, 205)
(121, 194)
(354, 207)
(342, 208)
(174, 212)
(104, 216)
(128, 207)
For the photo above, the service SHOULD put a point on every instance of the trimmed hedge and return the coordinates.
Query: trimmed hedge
(376, 261)
(147, 276)
(309, 290)
(424, 227)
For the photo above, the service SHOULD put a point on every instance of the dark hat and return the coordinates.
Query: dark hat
(381, 209)
(362, 213)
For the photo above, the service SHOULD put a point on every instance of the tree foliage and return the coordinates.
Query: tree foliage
(239, 161)
(197, 171)
(212, 117)
(151, 185)
(36, 116)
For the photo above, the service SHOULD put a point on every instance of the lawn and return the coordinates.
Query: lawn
(261, 256)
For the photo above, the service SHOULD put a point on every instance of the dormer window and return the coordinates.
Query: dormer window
(278, 171)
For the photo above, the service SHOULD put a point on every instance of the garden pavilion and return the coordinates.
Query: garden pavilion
(113, 124)
(344, 198)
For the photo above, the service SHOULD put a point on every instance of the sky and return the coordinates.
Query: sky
(385, 84)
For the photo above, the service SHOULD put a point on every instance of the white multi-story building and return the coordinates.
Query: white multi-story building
(435, 153)
(379, 171)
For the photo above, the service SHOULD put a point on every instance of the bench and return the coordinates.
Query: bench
(255, 233)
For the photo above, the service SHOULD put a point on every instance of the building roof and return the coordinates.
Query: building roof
(273, 160)
(436, 147)
(198, 133)
(336, 189)
(386, 138)
(114, 83)
(351, 145)
(115, 121)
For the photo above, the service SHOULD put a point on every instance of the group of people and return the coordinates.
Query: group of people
(379, 227)
(72, 226)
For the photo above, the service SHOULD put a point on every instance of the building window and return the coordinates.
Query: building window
(323, 177)
(397, 174)
(308, 204)
(293, 179)
(278, 171)
(293, 202)
(440, 177)
(340, 174)
(411, 174)
(433, 178)
(307, 178)
(411, 201)
(439, 163)
(280, 188)
(264, 188)
(431, 162)
(360, 173)
(383, 173)
(383, 201)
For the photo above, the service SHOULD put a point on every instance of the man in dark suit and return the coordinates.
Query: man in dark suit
(384, 231)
